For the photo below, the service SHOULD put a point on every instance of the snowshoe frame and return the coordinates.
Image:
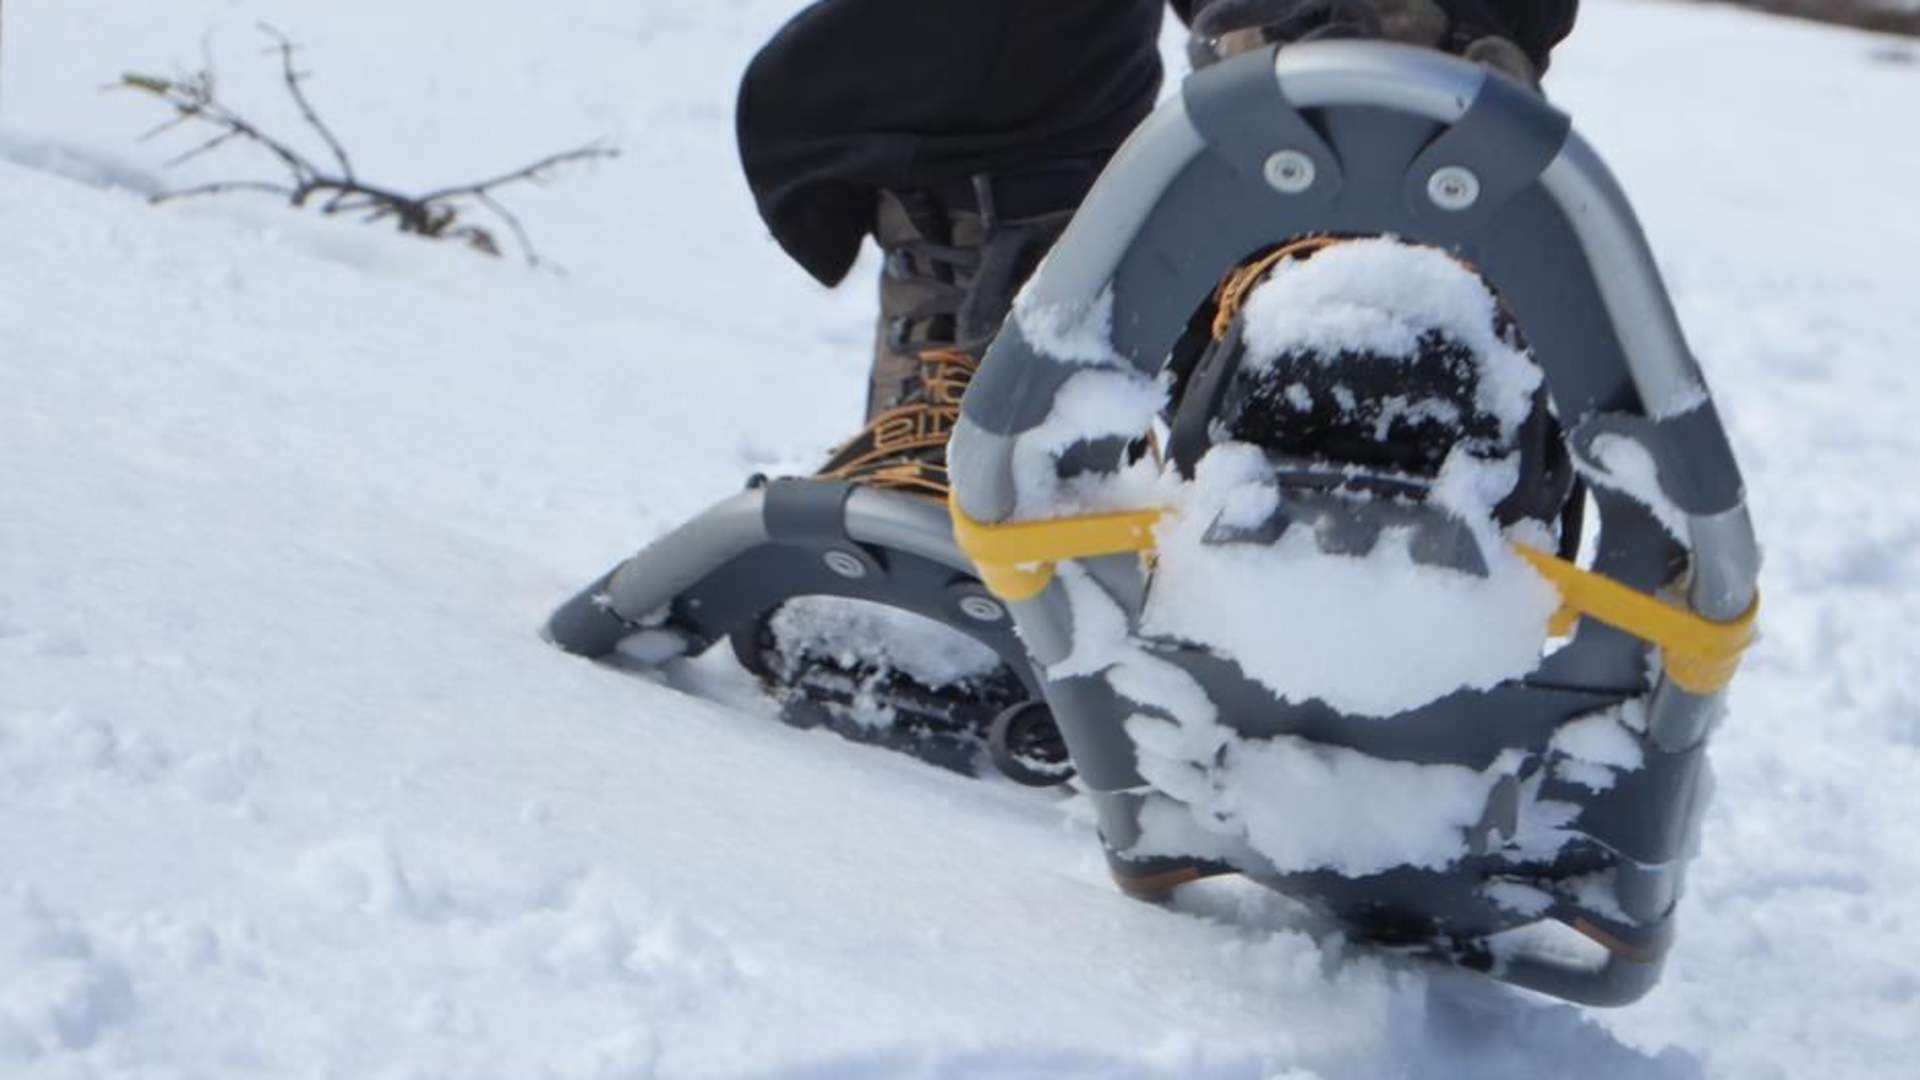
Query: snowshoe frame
(1370, 138)
(715, 577)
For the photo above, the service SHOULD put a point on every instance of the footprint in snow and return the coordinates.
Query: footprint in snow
(59, 992)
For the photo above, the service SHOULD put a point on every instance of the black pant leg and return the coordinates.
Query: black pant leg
(857, 95)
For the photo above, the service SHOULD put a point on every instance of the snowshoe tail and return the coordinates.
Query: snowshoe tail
(732, 573)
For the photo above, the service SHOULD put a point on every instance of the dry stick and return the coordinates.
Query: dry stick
(435, 215)
(307, 111)
(519, 234)
(532, 173)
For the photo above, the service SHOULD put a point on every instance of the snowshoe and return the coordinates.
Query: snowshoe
(853, 606)
(1280, 467)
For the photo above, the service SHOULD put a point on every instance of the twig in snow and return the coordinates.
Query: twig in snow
(440, 214)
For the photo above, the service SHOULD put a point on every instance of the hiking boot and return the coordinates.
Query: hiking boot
(1504, 57)
(1226, 28)
(953, 262)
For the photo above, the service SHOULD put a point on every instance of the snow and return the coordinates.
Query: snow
(1599, 746)
(1373, 634)
(1093, 404)
(1067, 332)
(847, 631)
(1311, 807)
(1369, 635)
(289, 785)
(1378, 297)
(1524, 899)
(1603, 738)
(1620, 464)
(1100, 632)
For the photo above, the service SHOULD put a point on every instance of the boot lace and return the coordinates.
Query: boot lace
(904, 448)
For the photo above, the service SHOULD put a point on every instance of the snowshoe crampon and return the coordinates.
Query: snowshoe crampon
(855, 609)
(1530, 818)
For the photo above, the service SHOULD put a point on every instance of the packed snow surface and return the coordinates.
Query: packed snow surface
(289, 785)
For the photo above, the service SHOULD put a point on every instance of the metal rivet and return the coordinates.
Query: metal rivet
(1290, 172)
(847, 566)
(1453, 188)
(982, 609)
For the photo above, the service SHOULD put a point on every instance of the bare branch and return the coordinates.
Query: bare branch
(348, 202)
(293, 79)
(534, 172)
(207, 147)
(191, 99)
(513, 223)
(439, 214)
(162, 128)
(477, 238)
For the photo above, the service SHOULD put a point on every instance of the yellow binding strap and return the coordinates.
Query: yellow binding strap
(1016, 562)
(1701, 655)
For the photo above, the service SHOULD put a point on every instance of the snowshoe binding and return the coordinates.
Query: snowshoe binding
(1280, 467)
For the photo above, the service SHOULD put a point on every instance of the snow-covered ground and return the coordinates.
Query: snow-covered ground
(290, 787)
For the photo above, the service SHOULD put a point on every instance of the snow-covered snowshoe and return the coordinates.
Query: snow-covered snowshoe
(1273, 467)
(854, 607)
